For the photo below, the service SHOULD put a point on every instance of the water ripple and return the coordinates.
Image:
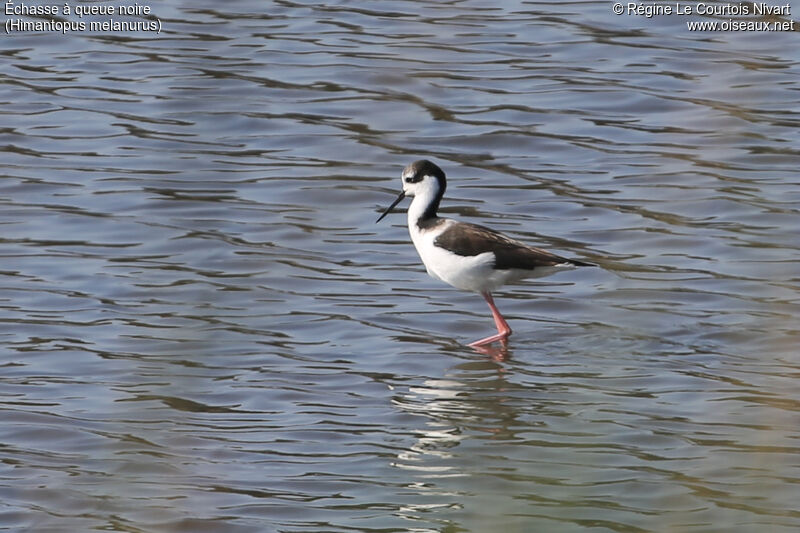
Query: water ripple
(205, 330)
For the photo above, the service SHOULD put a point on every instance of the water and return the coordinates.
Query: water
(203, 329)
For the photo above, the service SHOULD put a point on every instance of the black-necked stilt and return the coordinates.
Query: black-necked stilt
(468, 256)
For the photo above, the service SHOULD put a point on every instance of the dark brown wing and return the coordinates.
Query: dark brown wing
(471, 239)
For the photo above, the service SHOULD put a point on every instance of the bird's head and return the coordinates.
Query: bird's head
(420, 178)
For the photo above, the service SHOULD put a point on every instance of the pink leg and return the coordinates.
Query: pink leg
(503, 330)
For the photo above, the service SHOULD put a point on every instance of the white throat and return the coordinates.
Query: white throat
(422, 200)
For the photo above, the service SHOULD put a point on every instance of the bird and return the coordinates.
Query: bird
(468, 256)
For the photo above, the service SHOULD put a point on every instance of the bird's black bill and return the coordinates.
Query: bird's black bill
(389, 209)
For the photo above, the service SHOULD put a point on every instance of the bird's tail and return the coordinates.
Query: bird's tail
(580, 263)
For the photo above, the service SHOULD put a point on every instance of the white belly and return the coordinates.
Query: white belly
(471, 273)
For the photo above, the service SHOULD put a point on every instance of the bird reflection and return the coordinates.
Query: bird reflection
(468, 402)
(497, 353)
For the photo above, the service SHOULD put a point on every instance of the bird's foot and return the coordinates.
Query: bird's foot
(502, 337)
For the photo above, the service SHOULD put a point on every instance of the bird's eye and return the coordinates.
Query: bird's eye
(414, 179)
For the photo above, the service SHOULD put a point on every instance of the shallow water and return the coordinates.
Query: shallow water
(203, 328)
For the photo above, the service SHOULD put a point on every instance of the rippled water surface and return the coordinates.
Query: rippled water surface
(203, 329)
